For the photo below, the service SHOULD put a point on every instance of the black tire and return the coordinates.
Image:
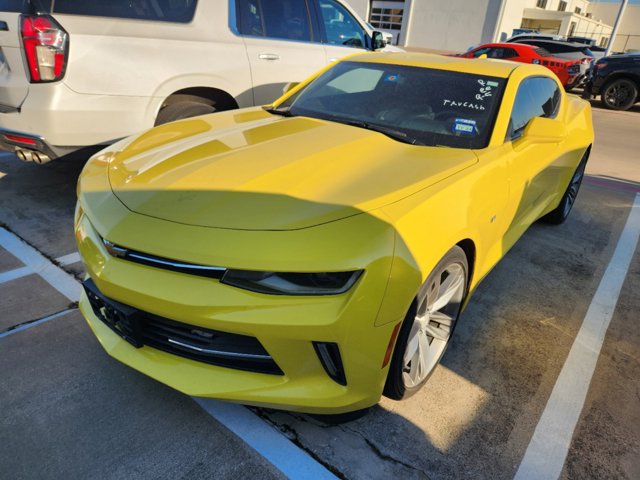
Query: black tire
(619, 94)
(562, 211)
(395, 387)
(180, 110)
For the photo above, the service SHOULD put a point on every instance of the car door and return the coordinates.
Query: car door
(535, 169)
(281, 43)
(342, 33)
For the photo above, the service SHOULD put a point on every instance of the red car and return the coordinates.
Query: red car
(568, 71)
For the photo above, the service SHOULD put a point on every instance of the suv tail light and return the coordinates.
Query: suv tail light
(46, 47)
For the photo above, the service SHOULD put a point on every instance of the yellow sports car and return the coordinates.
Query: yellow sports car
(316, 253)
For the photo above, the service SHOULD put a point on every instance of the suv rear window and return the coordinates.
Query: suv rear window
(180, 11)
(25, 6)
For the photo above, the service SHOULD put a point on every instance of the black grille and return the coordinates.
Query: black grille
(140, 328)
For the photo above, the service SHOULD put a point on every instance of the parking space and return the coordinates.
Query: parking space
(71, 411)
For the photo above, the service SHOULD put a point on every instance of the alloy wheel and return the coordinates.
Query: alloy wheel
(574, 187)
(439, 304)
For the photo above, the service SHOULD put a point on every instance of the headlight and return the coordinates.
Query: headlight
(272, 283)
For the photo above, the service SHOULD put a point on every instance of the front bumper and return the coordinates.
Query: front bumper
(285, 326)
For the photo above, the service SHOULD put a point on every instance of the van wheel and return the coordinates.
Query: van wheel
(180, 110)
(427, 328)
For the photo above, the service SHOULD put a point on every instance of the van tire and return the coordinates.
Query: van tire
(180, 110)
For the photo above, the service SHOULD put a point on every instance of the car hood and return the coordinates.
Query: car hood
(252, 170)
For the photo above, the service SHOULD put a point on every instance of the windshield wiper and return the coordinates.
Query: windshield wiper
(285, 112)
(389, 132)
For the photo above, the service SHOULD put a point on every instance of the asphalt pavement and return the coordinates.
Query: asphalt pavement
(70, 411)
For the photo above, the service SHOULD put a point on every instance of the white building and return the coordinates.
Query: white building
(628, 36)
(457, 24)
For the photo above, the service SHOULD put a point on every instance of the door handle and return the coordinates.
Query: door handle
(269, 56)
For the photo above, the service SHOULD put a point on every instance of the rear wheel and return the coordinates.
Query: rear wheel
(619, 94)
(428, 326)
(561, 212)
(180, 110)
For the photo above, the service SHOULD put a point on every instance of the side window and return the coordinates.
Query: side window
(181, 11)
(282, 19)
(483, 51)
(250, 18)
(509, 53)
(341, 28)
(536, 97)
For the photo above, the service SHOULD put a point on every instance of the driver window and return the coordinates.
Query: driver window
(482, 51)
(341, 28)
(283, 19)
(536, 97)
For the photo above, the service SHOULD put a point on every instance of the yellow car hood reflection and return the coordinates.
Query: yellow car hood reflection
(303, 171)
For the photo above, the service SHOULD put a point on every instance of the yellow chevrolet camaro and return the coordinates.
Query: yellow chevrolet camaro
(316, 253)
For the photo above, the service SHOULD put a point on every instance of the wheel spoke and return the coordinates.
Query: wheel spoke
(442, 318)
(425, 351)
(412, 342)
(447, 290)
(437, 333)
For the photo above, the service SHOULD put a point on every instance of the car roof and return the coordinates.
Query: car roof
(506, 45)
(560, 42)
(490, 67)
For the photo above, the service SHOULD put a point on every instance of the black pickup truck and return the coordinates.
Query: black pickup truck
(616, 79)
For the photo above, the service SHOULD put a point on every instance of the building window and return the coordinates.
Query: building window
(572, 28)
(541, 4)
(578, 10)
(604, 41)
(562, 7)
(386, 18)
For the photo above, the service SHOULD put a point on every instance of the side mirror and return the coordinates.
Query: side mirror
(483, 56)
(545, 130)
(289, 86)
(377, 40)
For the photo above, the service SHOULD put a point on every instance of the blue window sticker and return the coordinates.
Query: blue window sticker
(465, 126)
(392, 77)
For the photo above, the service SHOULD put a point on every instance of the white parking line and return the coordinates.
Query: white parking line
(269, 442)
(68, 259)
(266, 440)
(548, 448)
(54, 275)
(28, 270)
(15, 274)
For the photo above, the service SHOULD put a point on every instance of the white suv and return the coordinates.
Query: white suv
(78, 73)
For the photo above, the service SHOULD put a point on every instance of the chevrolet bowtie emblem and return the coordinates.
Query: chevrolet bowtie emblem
(114, 250)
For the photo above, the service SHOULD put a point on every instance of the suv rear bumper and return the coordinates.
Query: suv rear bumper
(59, 120)
(28, 147)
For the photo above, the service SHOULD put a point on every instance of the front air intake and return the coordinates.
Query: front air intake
(329, 355)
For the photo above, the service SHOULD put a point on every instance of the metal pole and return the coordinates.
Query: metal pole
(615, 26)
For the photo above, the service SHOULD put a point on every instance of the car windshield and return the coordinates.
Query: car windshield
(420, 106)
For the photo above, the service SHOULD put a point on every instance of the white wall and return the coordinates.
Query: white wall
(511, 18)
(628, 37)
(361, 7)
(453, 24)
